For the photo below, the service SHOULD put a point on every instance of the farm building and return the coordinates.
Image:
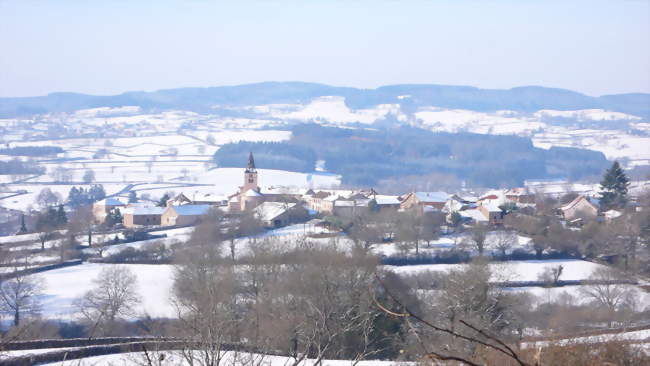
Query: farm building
(142, 215)
(183, 215)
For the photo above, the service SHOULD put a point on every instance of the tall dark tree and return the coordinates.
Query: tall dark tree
(96, 193)
(23, 227)
(61, 218)
(133, 197)
(163, 200)
(613, 188)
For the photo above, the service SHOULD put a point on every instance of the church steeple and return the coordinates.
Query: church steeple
(251, 163)
(250, 175)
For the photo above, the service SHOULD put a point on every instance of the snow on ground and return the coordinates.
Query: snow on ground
(456, 120)
(586, 115)
(64, 286)
(333, 109)
(575, 294)
(447, 242)
(174, 236)
(227, 180)
(230, 358)
(638, 335)
(24, 202)
(573, 269)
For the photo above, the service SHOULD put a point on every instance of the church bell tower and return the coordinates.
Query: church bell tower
(250, 175)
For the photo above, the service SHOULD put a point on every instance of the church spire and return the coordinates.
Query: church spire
(251, 163)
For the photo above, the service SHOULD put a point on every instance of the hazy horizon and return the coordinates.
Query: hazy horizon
(592, 47)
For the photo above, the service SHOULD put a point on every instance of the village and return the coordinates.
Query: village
(277, 206)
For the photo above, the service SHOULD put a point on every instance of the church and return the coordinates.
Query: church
(249, 195)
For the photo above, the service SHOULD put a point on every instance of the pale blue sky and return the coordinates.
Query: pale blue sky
(107, 47)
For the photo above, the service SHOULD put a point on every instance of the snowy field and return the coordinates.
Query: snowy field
(230, 358)
(640, 336)
(64, 286)
(529, 270)
(575, 295)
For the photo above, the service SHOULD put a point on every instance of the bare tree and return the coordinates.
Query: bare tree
(503, 241)
(551, 275)
(609, 288)
(113, 296)
(20, 295)
(476, 238)
(47, 198)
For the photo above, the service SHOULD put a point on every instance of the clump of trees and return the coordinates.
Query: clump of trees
(19, 167)
(32, 150)
(81, 196)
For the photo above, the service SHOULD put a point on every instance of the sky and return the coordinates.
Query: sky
(107, 47)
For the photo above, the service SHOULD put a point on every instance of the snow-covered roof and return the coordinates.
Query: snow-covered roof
(191, 210)
(252, 193)
(431, 196)
(492, 205)
(143, 210)
(111, 201)
(474, 214)
(612, 214)
(577, 200)
(387, 200)
(268, 211)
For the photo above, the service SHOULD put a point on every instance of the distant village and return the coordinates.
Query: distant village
(279, 206)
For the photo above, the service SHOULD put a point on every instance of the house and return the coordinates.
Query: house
(183, 215)
(387, 202)
(142, 215)
(321, 201)
(103, 207)
(581, 207)
(473, 216)
(350, 207)
(492, 212)
(180, 199)
(424, 201)
(520, 195)
(274, 214)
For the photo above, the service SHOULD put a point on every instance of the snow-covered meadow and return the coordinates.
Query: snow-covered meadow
(64, 286)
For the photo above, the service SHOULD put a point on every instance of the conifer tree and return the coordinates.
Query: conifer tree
(133, 197)
(61, 218)
(23, 227)
(163, 200)
(613, 188)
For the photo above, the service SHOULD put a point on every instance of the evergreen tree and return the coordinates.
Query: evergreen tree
(133, 197)
(61, 218)
(163, 200)
(114, 217)
(96, 193)
(614, 187)
(23, 227)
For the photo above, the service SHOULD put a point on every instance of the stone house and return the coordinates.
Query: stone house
(183, 215)
(142, 215)
(581, 207)
(424, 201)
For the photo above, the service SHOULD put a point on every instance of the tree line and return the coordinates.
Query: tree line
(367, 156)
